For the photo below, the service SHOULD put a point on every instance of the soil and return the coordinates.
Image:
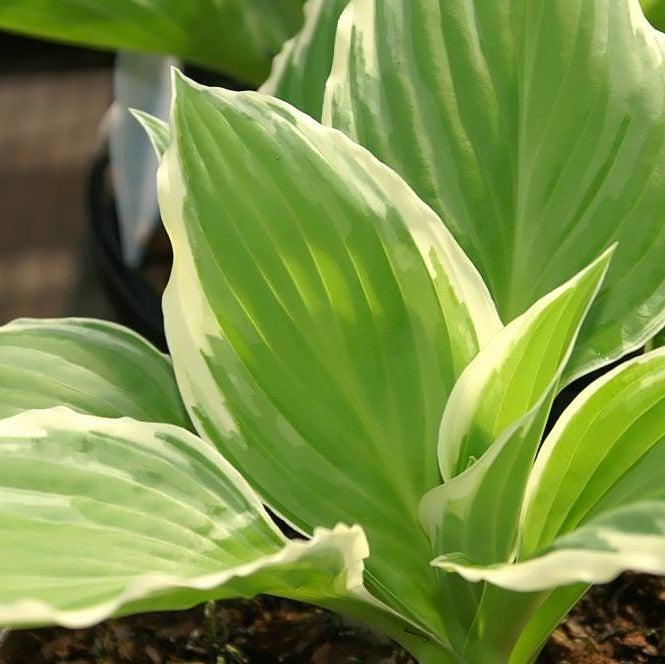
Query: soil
(262, 630)
(622, 623)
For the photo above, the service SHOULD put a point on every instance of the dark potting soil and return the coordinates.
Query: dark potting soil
(262, 630)
(622, 623)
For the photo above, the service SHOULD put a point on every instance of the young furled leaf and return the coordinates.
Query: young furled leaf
(594, 507)
(496, 414)
(515, 369)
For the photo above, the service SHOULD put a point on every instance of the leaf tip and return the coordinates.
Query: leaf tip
(182, 85)
(156, 129)
(601, 264)
(608, 254)
(595, 271)
(178, 78)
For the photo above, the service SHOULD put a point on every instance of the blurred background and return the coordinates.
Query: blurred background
(52, 102)
(79, 229)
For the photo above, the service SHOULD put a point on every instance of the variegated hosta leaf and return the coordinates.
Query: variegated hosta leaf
(318, 315)
(237, 37)
(595, 502)
(300, 71)
(94, 367)
(512, 627)
(497, 412)
(536, 129)
(631, 537)
(607, 450)
(477, 512)
(157, 130)
(102, 517)
(513, 372)
(515, 624)
(594, 508)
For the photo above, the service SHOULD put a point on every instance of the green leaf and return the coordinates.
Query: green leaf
(497, 413)
(535, 128)
(477, 513)
(606, 450)
(157, 130)
(319, 326)
(654, 10)
(594, 507)
(94, 367)
(103, 517)
(237, 37)
(511, 627)
(631, 537)
(545, 616)
(657, 341)
(455, 513)
(513, 372)
(300, 71)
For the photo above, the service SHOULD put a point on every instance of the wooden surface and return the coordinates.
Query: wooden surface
(51, 103)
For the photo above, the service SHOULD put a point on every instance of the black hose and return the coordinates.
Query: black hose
(134, 300)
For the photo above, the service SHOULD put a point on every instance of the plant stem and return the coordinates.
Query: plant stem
(212, 630)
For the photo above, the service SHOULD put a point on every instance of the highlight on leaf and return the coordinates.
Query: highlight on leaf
(367, 330)
(535, 129)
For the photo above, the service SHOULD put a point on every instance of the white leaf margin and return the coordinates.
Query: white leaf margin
(569, 415)
(467, 393)
(621, 551)
(349, 542)
(435, 243)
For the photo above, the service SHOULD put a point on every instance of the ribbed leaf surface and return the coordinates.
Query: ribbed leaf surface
(102, 517)
(94, 367)
(300, 71)
(536, 129)
(608, 449)
(318, 315)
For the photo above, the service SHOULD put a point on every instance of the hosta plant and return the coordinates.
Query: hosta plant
(333, 344)
(369, 342)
